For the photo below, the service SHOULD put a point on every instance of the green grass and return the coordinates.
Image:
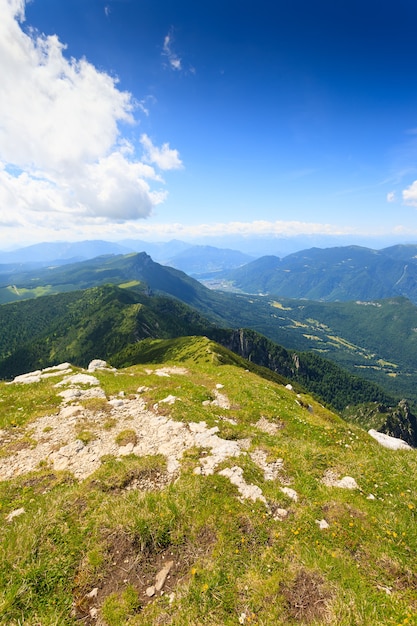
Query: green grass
(20, 403)
(231, 557)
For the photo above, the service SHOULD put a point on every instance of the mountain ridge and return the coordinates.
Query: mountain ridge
(332, 274)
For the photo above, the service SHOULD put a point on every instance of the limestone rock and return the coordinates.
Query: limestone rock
(97, 364)
(392, 443)
(291, 493)
(162, 575)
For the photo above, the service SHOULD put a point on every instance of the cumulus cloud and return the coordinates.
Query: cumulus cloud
(61, 148)
(165, 158)
(410, 194)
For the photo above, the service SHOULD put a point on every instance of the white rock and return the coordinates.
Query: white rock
(115, 402)
(127, 449)
(14, 514)
(330, 479)
(290, 493)
(322, 524)
(55, 373)
(289, 387)
(60, 367)
(97, 364)
(169, 399)
(347, 482)
(392, 443)
(78, 379)
(250, 492)
(280, 515)
(70, 394)
(27, 379)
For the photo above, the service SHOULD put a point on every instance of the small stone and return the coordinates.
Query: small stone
(323, 525)
(115, 402)
(347, 482)
(162, 575)
(280, 515)
(169, 399)
(14, 514)
(290, 493)
(150, 591)
(93, 612)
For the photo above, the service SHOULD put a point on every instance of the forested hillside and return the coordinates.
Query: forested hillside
(375, 339)
(112, 322)
(345, 273)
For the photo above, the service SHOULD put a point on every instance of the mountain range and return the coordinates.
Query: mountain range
(114, 319)
(375, 339)
(333, 274)
(193, 259)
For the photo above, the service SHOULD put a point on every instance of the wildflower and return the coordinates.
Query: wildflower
(204, 587)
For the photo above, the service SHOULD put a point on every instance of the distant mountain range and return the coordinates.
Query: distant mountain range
(195, 260)
(345, 273)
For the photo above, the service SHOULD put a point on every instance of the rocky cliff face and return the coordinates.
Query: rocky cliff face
(401, 423)
(259, 350)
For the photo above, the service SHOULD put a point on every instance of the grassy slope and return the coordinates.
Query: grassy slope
(107, 320)
(231, 557)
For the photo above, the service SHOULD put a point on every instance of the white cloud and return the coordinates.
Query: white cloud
(165, 158)
(261, 228)
(391, 196)
(173, 59)
(61, 149)
(410, 194)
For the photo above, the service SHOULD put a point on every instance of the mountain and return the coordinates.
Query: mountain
(61, 252)
(345, 273)
(189, 258)
(192, 491)
(203, 261)
(375, 339)
(123, 326)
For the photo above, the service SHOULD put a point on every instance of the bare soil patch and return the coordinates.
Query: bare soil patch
(307, 598)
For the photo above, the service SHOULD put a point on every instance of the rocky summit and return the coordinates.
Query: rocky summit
(195, 492)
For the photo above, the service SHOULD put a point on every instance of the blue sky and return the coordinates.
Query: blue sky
(179, 119)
